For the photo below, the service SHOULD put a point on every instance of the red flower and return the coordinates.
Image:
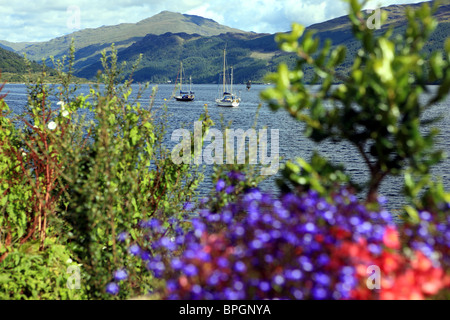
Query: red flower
(390, 238)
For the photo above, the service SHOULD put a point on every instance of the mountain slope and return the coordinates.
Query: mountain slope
(202, 57)
(13, 65)
(124, 34)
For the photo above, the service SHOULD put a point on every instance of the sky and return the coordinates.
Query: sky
(42, 20)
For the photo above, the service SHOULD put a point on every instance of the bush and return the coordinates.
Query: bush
(87, 181)
(28, 273)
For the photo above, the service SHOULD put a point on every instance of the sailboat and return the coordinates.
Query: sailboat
(185, 95)
(228, 99)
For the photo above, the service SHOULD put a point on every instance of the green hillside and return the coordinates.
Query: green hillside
(90, 41)
(202, 57)
(13, 66)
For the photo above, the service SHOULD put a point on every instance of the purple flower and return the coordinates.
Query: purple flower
(322, 278)
(425, 215)
(229, 190)
(278, 279)
(176, 263)
(319, 293)
(121, 237)
(134, 249)
(214, 278)
(145, 255)
(188, 206)
(222, 262)
(264, 286)
(279, 249)
(294, 274)
(112, 288)
(120, 275)
(240, 266)
(220, 185)
(168, 244)
(172, 285)
(190, 270)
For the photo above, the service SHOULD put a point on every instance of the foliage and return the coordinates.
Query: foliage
(88, 180)
(118, 173)
(38, 275)
(377, 107)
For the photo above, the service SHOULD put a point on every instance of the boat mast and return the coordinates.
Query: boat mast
(224, 52)
(231, 87)
(181, 76)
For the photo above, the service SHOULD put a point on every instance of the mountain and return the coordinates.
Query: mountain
(251, 55)
(92, 41)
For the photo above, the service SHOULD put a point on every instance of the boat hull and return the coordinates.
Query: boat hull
(190, 98)
(230, 104)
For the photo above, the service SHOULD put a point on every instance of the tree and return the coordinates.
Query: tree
(376, 107)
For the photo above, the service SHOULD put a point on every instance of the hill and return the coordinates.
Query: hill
(202, 57)
(13, 66)
(89, 42)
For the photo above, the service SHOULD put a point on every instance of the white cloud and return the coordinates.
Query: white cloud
(41, 20)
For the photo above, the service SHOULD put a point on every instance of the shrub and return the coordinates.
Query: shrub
(28, 273)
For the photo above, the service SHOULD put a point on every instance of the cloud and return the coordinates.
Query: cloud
(42, 20)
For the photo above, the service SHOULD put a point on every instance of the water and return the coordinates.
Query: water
(292, 142)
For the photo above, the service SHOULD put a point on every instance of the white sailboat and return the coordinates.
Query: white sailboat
(228, 98)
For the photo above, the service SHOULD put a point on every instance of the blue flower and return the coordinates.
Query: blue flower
(229, 190)
(112, 288)
(145, 255)
(294, 274)
(214, 278)
(240, 266)
(222, 262)
(168, 244)
(121, 237)
(322, 278)
(220, 185)
(120, 275)
(319, 293)
(176, 263)
(190, 270)
(278, 279)
(264, 286)
(135, 249)
(188, 206)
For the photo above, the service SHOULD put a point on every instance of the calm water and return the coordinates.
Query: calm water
(292, 141)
